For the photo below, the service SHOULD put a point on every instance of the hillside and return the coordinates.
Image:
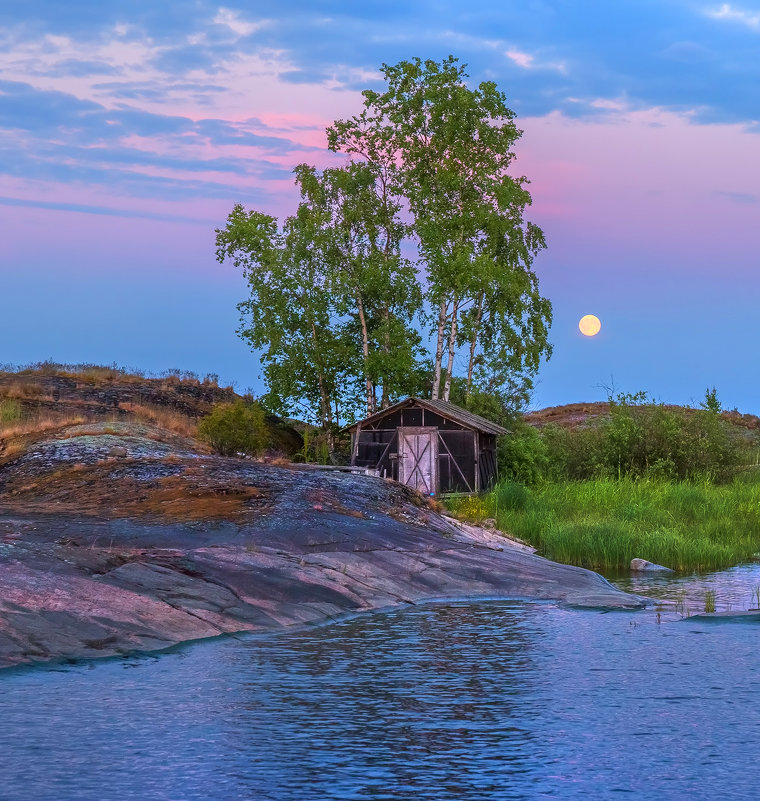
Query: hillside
(39, 399)
(121, 532)
(579, 415)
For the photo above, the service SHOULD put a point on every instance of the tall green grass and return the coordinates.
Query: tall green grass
(604, 523)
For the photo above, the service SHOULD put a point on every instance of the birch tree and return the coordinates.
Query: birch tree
(332, 306)
(446, 151)
(288, 316)
(374, 288)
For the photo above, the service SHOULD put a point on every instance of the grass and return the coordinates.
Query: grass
(14, 434)
(104, 374)
(10, 413)
(37, 425)
(163, 417)
(603, 524)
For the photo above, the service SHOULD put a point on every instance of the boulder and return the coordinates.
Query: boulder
(642, 566)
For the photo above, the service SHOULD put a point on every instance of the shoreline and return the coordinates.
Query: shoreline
(250, 635)
(58, 608)
(104, 555)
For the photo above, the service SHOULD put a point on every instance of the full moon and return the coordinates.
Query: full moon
(590, 325)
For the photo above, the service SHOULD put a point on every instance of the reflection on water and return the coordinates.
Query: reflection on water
(737, 589)
(493, 700)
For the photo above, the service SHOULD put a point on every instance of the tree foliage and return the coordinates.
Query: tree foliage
(447, 150)
(421, 231)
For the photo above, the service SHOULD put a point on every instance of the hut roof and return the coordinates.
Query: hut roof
(442, 407)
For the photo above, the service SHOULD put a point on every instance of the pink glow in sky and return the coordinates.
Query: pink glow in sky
(126, 137)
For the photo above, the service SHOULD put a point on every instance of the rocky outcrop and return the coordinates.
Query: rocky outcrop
(103, 554)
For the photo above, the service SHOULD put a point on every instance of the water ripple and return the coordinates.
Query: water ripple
(466, 702)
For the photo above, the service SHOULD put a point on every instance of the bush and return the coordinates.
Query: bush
(577, 454)
(645, 439)
(522, 455)
(234, 428)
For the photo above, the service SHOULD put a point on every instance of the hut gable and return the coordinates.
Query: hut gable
(433, 446)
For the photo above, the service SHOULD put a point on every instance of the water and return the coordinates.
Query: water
(490, 700)
(737, 589)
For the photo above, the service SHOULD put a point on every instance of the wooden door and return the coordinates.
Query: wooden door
(418, 459)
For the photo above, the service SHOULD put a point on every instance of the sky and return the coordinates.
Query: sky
(129, 128)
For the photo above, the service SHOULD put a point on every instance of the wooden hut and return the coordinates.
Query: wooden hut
(431, 445)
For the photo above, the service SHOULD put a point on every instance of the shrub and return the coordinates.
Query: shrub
(645, 439)
(234, 428)
(523, 455)
(577, 454)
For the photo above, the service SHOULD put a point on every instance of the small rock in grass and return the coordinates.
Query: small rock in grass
(642, 566)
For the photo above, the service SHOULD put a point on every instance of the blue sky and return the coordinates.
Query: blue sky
(129, 129)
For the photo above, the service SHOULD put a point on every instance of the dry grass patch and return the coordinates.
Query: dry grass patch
(321, 500)
(24, 390)
(93, 373)
(40, 425)
(278, 461)
(169, 419)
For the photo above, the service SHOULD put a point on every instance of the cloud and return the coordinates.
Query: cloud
(46, 113)
(542, 56)
(524, 60)
(528, 61)
(304, 76)
(750, 19)
(80, 67)
(235, 22)
(743, 198)
(687, 53)
(91, 209)
(55, 138)
(161, 97)
(22, 107)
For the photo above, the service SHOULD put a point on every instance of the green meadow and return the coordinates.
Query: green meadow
(604, 523)
(674, 485)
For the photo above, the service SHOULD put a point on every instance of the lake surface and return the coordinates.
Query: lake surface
(486, 700)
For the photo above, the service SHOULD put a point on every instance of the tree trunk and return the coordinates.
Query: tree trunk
(452, 348)
(365, 350)
(385, 401)
(326, 410)
(439, 351)
(473, 344)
